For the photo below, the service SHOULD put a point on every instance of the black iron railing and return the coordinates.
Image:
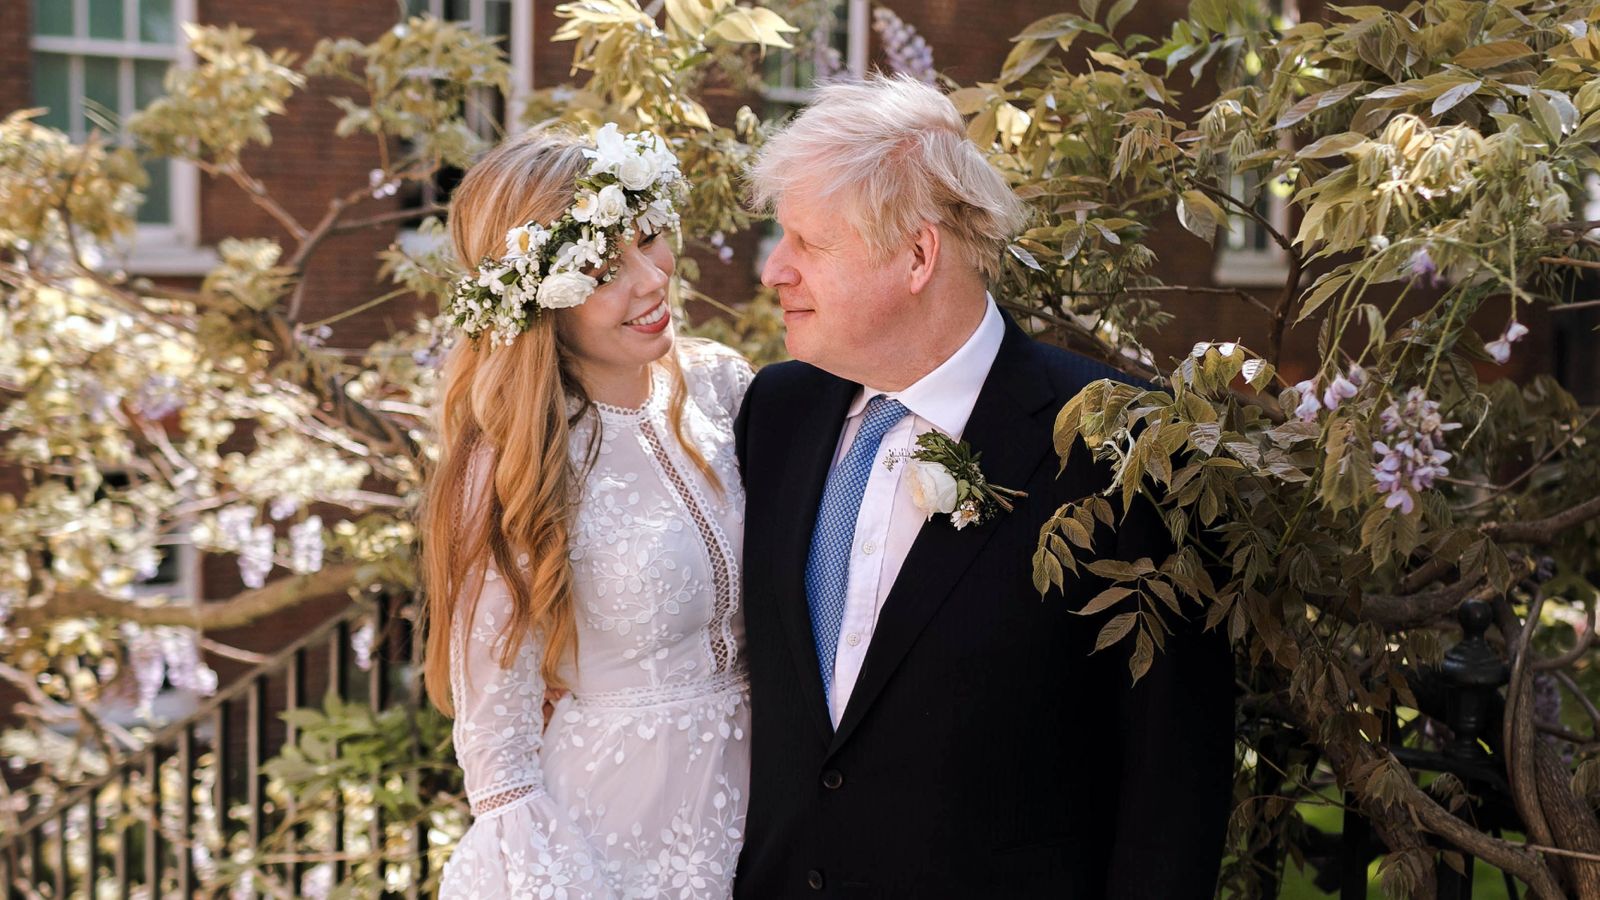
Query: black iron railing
(136, 830)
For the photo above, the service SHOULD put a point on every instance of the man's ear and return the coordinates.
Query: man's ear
(925, 247)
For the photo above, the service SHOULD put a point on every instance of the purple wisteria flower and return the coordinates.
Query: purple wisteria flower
(905, 49)
(1412, 454)
(1424, 269)
(1310, 407)
(1499, 349)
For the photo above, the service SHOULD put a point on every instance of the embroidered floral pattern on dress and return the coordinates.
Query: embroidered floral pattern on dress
(637, 786)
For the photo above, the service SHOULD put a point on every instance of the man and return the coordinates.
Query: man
(924, 723)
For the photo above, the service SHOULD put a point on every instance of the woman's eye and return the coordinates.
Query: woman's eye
(648, 239)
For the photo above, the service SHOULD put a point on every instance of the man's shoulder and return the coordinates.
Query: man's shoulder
(783, 379)
(1069, 371)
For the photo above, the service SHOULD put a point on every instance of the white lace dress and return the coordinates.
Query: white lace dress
(637, 787)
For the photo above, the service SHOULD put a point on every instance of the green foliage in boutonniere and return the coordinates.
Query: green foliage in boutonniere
(946, 480)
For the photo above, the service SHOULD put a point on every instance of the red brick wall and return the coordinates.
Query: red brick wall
(16, 70)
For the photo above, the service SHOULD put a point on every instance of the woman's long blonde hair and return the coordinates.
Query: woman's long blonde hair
(504, 484)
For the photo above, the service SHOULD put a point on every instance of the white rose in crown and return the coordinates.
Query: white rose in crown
(565, 289)
(933, 488)
(636, 173)
(610, 205)
(610, 150)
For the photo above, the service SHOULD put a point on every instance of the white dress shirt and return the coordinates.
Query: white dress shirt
(889, 521)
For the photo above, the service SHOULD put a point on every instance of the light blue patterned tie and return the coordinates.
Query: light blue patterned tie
(828, 564)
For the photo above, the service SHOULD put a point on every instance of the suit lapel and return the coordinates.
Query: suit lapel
(815, 438)
(1008, 428)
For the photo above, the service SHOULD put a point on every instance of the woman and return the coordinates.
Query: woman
(582, 537)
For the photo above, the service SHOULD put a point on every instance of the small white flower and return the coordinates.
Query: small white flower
(965, 514)
(611, 205)
(565, 289)
(658, 216)
(491, 279)
(584, 205)
(525, 240)
(1379, 243)
(933, 488)
(580, 254)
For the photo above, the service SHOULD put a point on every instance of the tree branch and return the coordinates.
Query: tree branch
(241, 609)
(1399, 611)
(398, 215)
(1543, 531)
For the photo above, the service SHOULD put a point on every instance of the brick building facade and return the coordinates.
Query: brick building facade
(43, 41)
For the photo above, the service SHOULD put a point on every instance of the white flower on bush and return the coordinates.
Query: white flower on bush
(933, 488)
(1500, 349)
(305, 541)
(255, 557)
(610, 205)
(565, 289)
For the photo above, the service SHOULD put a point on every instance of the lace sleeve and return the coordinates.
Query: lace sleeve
(499, 711)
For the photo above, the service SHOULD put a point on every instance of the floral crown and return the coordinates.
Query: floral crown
(632, 179)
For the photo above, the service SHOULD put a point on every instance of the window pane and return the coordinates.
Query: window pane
(105, 19)
(416, 7)
(458, 10)
(147, 77)
(157, 208)
(101, 108)
(155, 22)
(50, 88)
(497, 16)
(52, 17)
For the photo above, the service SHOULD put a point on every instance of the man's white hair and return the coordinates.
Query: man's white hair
(893, 152)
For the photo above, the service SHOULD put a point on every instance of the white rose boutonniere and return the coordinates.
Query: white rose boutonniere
(933, 488)
(946, 480)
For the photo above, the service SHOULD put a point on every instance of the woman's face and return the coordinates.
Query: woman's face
(625, 324)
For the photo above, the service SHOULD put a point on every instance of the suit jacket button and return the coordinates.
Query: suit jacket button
(832, 780)
(814, 880)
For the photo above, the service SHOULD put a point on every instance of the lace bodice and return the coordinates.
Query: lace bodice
(656, 705)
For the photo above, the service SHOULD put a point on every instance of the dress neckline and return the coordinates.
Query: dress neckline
(635, 413)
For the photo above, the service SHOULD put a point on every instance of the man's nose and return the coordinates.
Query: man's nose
(777, 271)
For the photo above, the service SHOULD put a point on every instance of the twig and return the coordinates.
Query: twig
(398, 215)
(231, 652)
(1569, 307)
(1569, 261)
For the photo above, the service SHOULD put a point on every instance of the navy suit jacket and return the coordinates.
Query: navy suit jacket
(984, 751)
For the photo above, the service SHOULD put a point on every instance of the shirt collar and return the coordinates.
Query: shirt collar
(945, 396)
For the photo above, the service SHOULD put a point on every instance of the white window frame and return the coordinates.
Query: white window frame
(1240, 264)
(166, 249)
(519, 49)
(1246, 266)
(858, 32)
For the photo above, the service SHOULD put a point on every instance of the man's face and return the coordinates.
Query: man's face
(841, 306)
